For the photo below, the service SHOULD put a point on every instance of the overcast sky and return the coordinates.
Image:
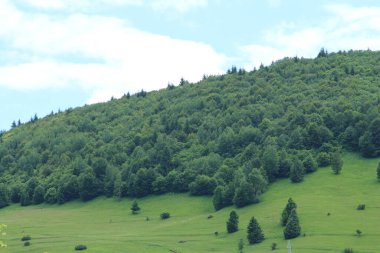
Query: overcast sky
(56, 54)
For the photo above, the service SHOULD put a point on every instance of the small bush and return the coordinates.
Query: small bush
(26, 238)
(361, 207)
(165, 216)
(274, 246)
(358, 232)
(80, 247)
(27, 243)
(348, 250)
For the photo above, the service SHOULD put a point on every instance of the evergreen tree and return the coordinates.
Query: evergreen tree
(135, 207)
(292, 228)
(336, 163)
(233, 223)
(255, 234)
(297, 171)
(378, 171)
(287, 210)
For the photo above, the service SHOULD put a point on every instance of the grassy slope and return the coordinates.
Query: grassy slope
(106, 225)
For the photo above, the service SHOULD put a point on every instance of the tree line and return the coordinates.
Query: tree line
(228, 136)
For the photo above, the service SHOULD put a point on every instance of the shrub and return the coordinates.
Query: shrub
(274, 246)
(348, 250)
(26, 238)
(361, 207)
(80, 247)
(165, 216)
(27, 243)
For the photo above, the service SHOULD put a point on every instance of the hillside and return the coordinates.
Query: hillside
(227, 134)
(107, 225)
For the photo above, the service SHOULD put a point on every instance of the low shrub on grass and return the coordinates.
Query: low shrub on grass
(80, 247)
(27, 243)
(26, 238)
(348, 250)
(274, 246)
(165, 216)
(361, 207)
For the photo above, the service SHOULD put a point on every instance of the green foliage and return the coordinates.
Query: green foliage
(254, 232)
(348, 250)
(292, 228)
(165, 216)
(360, 207)
(297, 171)
(164, 141)
(39, 195)
(26, 238)
(4, 195)
(287, 210)
(378, 171)
(80, 247)
(233, 222)
(336, 163)
(203, 185)
(135, 207)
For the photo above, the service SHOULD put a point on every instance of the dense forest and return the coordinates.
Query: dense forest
(228, 136)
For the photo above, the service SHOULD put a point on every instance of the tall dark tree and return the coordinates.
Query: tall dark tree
(233, 222)
(287, 210)
(254, 232)
(310, 164)
(292, 228)
(336, 163)
(378, 171)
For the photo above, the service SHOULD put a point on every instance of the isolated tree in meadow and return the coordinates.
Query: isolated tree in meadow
(135, 207)
(254, 232)
(233, 223)
(287, 210)
(292, 228)
(336, 163)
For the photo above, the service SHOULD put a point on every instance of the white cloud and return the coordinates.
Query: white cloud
(117, 58)
(76, 4)
(160, 5)
(178, 5)
(347, 28)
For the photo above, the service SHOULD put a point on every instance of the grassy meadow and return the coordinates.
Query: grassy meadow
(107, 225)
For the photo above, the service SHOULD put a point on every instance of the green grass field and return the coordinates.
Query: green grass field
(107, 225)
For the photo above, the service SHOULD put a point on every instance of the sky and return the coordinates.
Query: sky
(59, 54)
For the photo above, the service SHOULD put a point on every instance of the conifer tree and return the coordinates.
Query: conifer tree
(378, 171)
(233, 222)
(287, 210)
(292, 228)
(254, 232)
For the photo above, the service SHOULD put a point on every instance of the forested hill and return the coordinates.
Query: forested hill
(227, 135)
